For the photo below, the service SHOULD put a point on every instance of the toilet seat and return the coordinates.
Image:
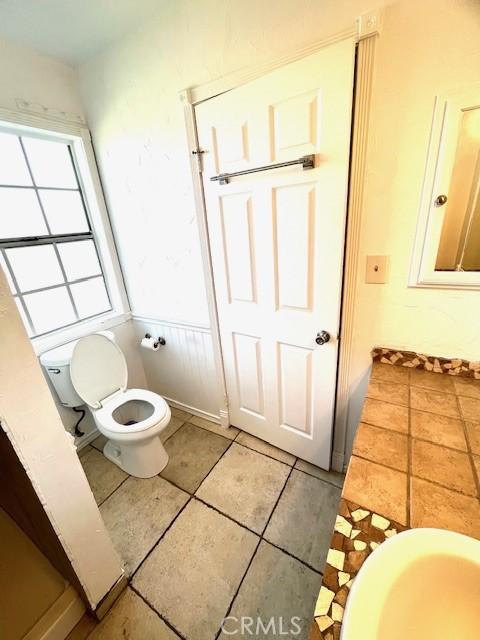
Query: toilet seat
(104, 416)
(98, 372)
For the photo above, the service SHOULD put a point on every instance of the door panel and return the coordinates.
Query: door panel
(236, 213)
(276, 240)
(293, 223)
(295, 388)
(249, 377)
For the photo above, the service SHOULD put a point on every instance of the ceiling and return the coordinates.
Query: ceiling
(72, 30)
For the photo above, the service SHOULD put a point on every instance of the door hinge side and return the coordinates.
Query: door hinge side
(197, 153)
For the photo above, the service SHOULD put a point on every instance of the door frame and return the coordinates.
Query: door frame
(366, 31)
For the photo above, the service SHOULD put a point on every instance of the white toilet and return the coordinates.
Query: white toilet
(131, 419)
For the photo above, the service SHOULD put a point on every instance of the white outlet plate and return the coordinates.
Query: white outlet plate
(377, 270)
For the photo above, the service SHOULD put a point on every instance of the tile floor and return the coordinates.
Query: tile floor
(232, 527)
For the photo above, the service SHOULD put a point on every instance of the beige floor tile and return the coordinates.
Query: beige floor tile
(264, 447)
(470, 408)
(434, 506)
(229, 433)
(388, 392)
(245, 485)
(173, 426)
(181, 414)
(193, 573)
(473, 434)
(389, 373)
(260, 596)
(132, 619)
(467, 387)
(386, 415)
(430, 380)
(450, 468)
(382, 445)
(442, 403)
(382, 490)
(333, 477)
(192, 453)
(138, 513)
(307, 504)
(439, 429)
(100, 442)
(84, 451)
(103, 476)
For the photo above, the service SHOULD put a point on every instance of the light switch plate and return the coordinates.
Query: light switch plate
(377, 270)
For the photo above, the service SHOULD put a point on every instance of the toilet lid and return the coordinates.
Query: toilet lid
(98, 368)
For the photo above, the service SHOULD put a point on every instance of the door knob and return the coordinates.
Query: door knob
(440, 200)
(322, 337)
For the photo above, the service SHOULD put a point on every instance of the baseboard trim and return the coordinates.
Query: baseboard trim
(196, 412)
(337, 462)
(86, 440)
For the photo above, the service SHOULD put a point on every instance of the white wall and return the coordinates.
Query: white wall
(130, 96)
(27, 75)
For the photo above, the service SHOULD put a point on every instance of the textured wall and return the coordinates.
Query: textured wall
(130, 95)
(27, 75)
(131, 98)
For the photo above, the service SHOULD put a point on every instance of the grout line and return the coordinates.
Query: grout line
(210, 431)
(162, 617)
(409, 456)
(329, 482)
(406, 434)
(277, 501)
(225, 515)
(259, 535)
(147, 555)
(245, 446)
(476, 479)
(227, 613)
(99, 504)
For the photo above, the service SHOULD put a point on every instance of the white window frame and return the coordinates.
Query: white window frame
(79, 138)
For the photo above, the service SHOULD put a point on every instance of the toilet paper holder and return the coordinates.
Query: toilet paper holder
(159, 342)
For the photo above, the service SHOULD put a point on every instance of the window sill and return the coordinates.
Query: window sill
(62, 336)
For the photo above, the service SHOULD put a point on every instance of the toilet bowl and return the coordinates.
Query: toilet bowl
(131, 419)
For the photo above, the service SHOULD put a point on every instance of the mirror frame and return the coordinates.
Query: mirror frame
(447, 114)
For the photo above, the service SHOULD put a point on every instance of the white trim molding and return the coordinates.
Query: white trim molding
(366, 25)
(360, 135)
(186, 98)
(233, 80)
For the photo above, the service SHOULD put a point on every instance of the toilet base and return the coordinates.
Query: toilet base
(140, 459)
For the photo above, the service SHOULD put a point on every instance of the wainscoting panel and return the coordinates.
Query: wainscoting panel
(183, 370)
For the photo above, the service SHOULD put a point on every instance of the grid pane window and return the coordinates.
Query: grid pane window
(20, 214)
(13, 166)
(64, 211)
(47, 248)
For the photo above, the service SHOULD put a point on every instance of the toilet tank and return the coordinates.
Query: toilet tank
(56, 363)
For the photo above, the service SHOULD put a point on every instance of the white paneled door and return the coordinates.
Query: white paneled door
(277, 239)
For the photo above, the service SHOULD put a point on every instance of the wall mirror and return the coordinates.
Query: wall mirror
(447, 245)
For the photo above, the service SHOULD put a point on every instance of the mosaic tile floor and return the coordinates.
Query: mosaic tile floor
(232, 527)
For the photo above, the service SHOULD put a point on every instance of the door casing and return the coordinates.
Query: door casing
(367, 30)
